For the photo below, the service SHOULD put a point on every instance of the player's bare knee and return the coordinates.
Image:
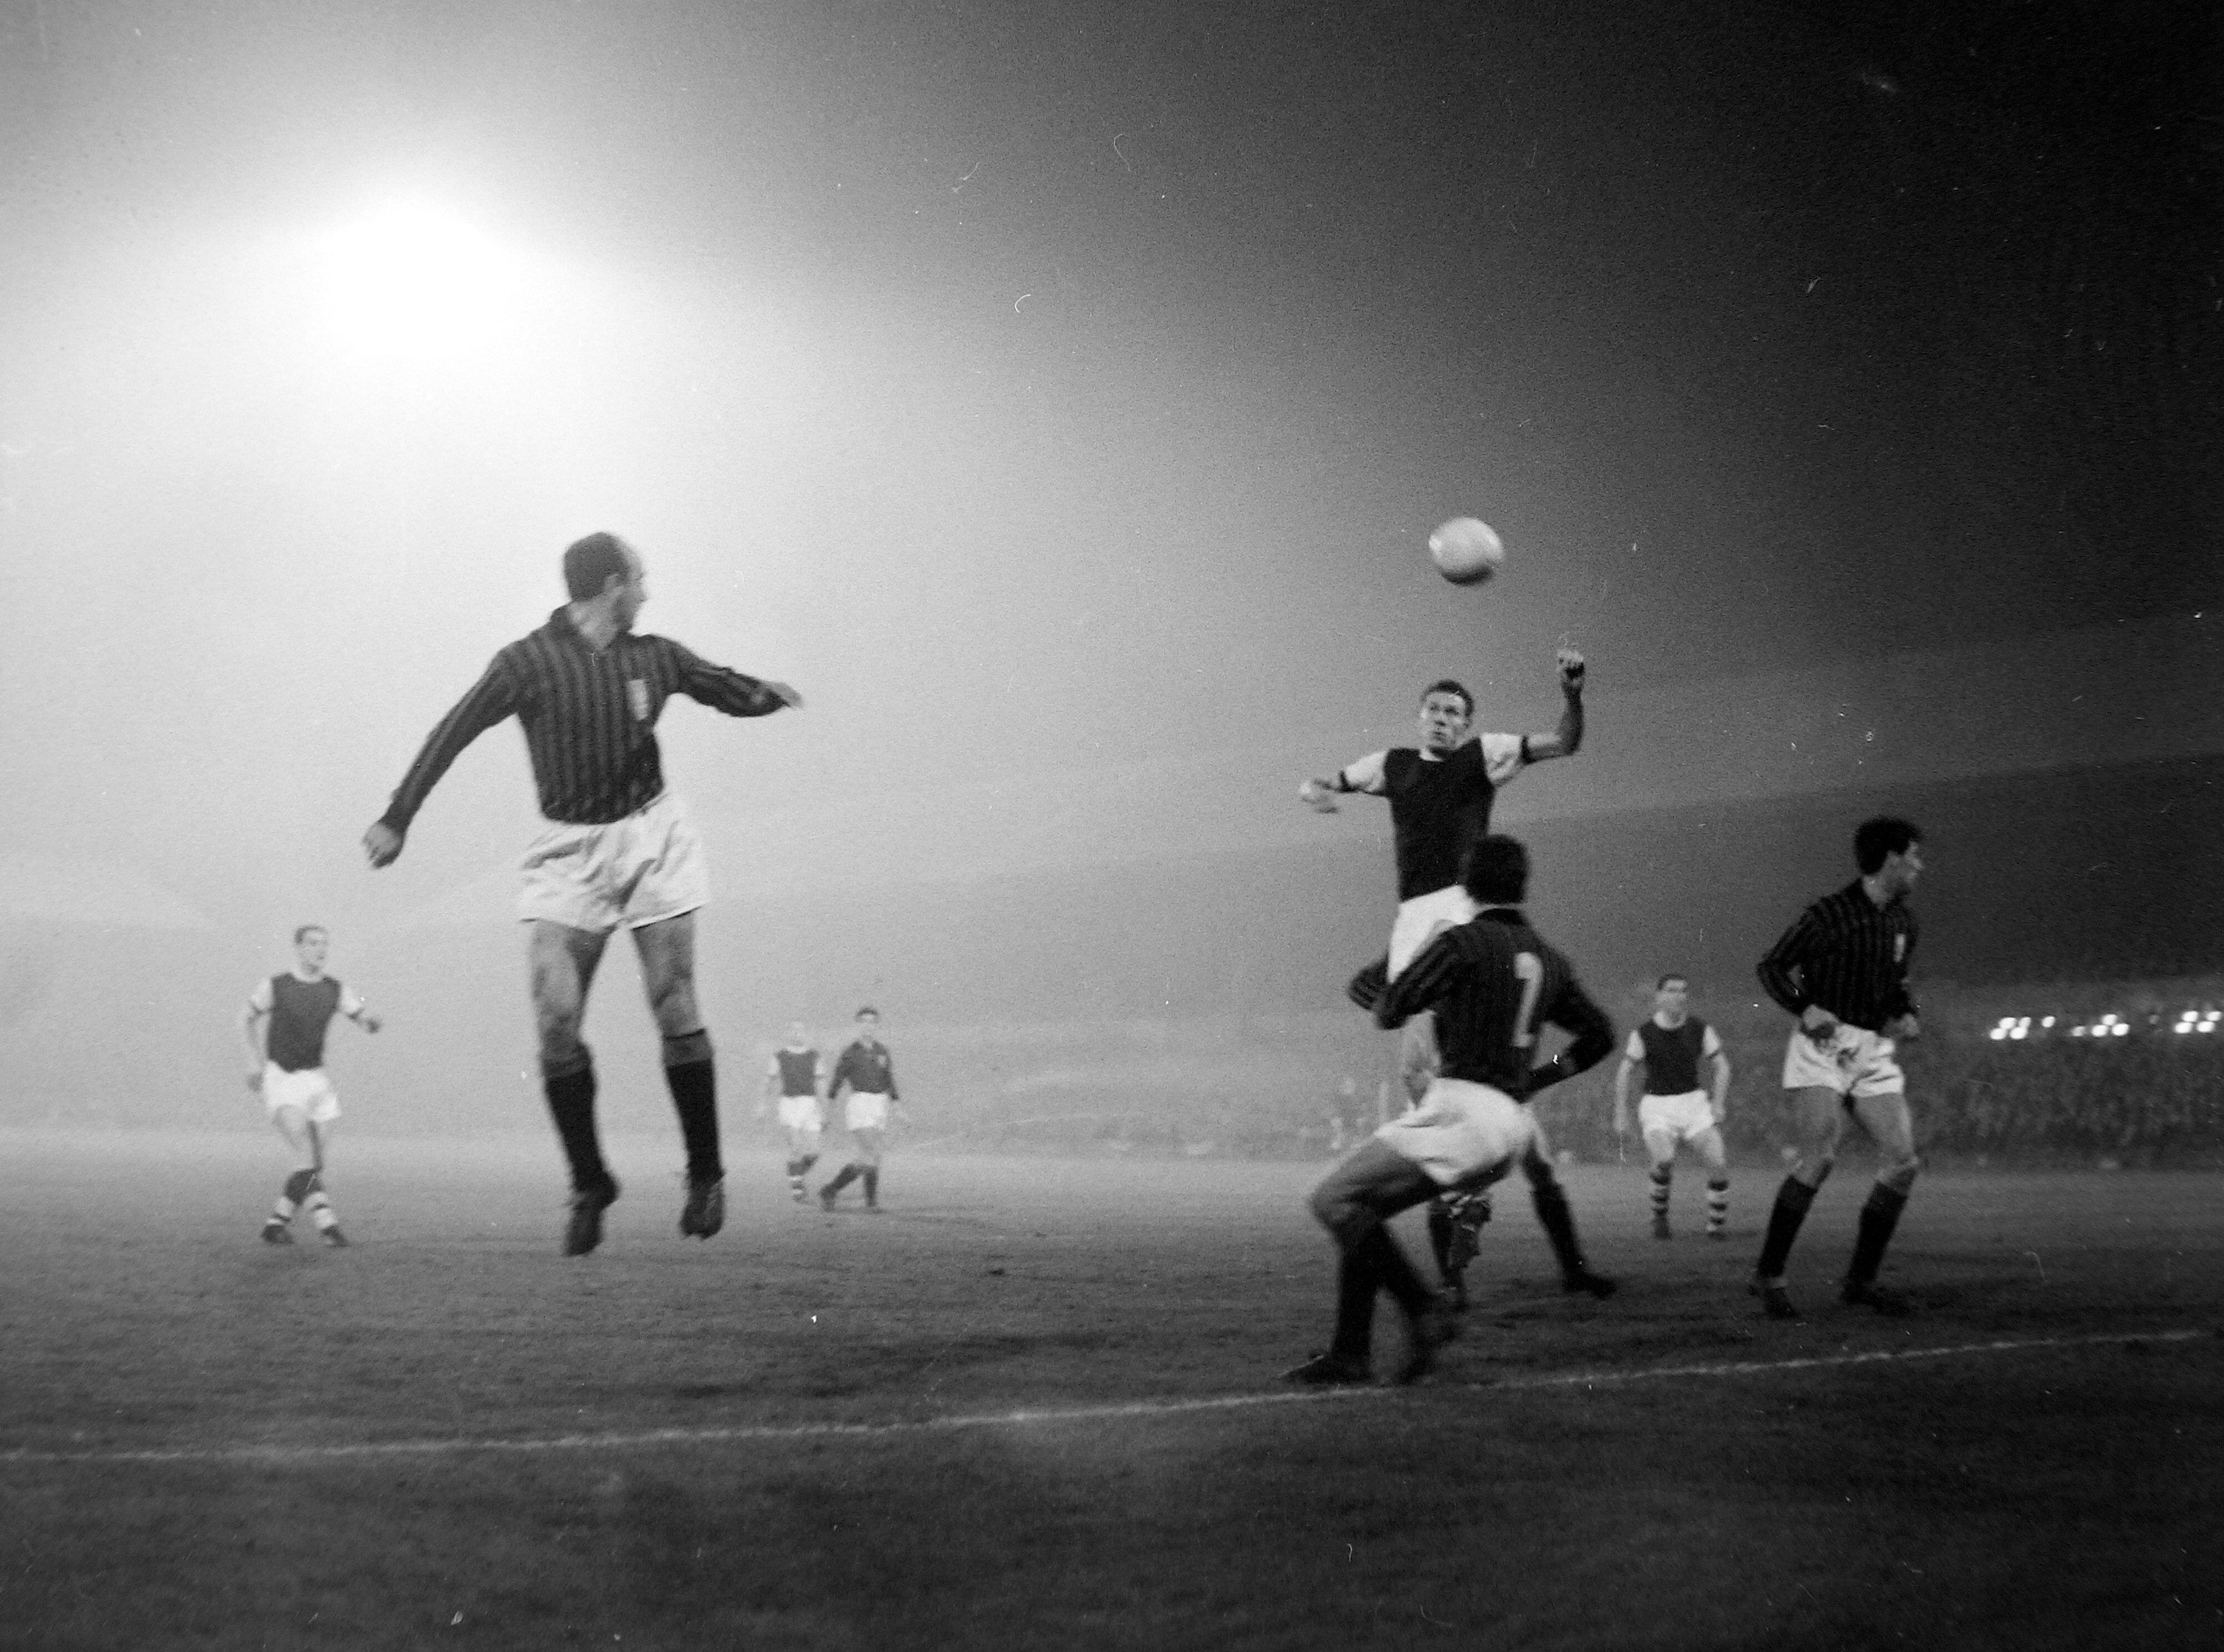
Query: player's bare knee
(684, 1049)
(1900, 1174)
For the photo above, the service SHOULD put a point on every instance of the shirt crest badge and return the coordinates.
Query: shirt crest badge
(637, 699)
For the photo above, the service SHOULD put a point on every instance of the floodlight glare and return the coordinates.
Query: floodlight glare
(416, 275)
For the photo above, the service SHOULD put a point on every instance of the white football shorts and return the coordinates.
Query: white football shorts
(1854, 1062)
(1419, 920)
(310, 1089)
(634, 872)
(865, 1111)
(1461, 1133)
(1684, 1118)
(800, 1113)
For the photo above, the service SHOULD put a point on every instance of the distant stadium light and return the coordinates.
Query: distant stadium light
(416, 275)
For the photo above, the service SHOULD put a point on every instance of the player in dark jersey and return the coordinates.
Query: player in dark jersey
(284, 1025)
(868, 1071)
(618, 851)
(1492, 982)
(1440, 794)
(1841, 969)
(792, 1082)
(1675, 1106)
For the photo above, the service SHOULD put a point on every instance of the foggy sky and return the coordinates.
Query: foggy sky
(1060, 395)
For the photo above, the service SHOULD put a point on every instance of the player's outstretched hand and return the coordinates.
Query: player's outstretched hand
(369, 1022)
(1318, 796)
(1903, 1029)
(255, 1080)
(1571, 670)
(382, 844)
(788, 697)
(1819, 1024)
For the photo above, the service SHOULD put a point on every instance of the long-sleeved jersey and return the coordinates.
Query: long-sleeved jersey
(590, 719)
(1847, 954)
(1492, 983)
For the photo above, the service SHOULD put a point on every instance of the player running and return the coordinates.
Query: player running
(1675, 1107)
(1440, 794)
(869, 1073)
(284, 1025)
(792, 1082)
(618, 851)
(1841, 969)
(1491, 981)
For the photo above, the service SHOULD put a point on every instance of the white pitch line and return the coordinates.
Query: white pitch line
(711, 1436)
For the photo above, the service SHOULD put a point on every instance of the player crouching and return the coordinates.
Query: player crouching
(1490, 982)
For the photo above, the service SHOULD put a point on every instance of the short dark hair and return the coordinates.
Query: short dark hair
(590, 562)
(865, 1009)
(1672, 975)
(309, 929)
(1447, 686)
(1885, 834)
(1497, 871)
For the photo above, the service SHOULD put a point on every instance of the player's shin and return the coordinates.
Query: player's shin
(690, 1074)
(1880, 1216)
(1792, 1199)
(571, 1091)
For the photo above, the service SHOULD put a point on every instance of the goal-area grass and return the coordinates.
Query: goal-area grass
(1036, 1403)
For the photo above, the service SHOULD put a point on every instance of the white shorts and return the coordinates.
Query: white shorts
(800, 1113)
(632, 872)
(309, 1090)
(1419, 920)
(1856, 1062)
(866, 1112)
(1686, 1117)
(1461, 1132)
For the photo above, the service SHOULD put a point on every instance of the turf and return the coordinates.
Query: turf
(1035, 1404)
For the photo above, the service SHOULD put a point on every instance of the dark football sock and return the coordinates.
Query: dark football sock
(572, 1105)
(1560, 1225)
(873, 1186)
(843, 1178)
(1792, 1199)
(1440, 1239)
(1880, 1215)
(1356, 1282)
(694, 1085)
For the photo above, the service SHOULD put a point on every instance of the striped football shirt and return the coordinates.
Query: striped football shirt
(1492, 983)
(1847, 954)
(590, 719)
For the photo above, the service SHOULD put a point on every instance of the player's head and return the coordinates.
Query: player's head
(1890, 850)
(1497, 871)
(1671, 995)
(310, 944)
(602, 566)
(867, 1019)
(798, 1034)
(1447, 709)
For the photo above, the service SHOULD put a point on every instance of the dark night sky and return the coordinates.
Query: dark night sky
(1060, 396)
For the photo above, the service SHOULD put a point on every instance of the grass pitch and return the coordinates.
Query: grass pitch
(1035, 1404)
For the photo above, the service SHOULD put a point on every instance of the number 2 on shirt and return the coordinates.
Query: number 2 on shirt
(1529, 969)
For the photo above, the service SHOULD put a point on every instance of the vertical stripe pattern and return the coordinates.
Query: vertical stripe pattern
(1848, 955)
(590, 719)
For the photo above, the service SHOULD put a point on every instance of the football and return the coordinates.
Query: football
(1466, 551)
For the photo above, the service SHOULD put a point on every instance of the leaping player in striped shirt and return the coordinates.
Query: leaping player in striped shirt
(1440, 794)
(1675, 1107)
(792, 1082)
(618, 851)
(284, 1025)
